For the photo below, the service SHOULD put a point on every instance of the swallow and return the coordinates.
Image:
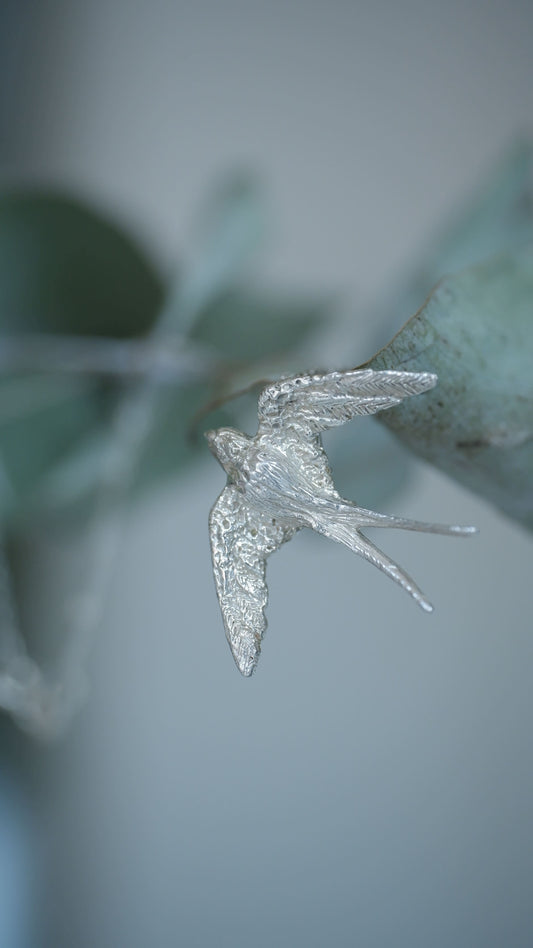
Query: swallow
(280, 481)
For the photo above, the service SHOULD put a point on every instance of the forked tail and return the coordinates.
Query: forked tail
(344, 524)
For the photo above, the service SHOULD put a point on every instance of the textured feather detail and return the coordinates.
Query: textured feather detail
(241, 541)
(311, 403)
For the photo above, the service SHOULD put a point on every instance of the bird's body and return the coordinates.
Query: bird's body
(280, 481)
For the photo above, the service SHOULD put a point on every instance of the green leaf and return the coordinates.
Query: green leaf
(243, 327)
(66, 269)
(228, 233)
(166, 450)
(247, 326)
(476, 332)
(169, 447)
(63, 269)
(43, 419)
(498, 218)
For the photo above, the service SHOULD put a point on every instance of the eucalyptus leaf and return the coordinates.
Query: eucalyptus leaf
(175, 441)
(168, 446)
(172, 442)
(228, 233)
(69, 272)
(63, 269)
(247, 325)
(498, 218)
(241, 327)
(46, 421)
(476, 333)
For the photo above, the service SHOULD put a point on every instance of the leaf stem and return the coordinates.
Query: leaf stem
(165, 360)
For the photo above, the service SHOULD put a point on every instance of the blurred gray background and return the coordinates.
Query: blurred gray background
(372, 784)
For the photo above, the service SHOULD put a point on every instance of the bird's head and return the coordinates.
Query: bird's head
(229, 447)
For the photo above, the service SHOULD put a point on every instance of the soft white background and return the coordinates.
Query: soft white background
(372, 784)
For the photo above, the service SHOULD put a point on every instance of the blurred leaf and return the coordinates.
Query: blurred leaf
(229, 232)
(497, 219)
(476, 332)
(240, 327)
(243, 326)
(61, 412)
(170, 446)
(63, 269)
(247, 326)
(66, 269)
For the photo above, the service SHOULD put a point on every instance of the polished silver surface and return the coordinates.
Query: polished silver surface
(280, 481)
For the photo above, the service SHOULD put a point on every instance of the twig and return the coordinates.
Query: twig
(168, 360)
(43, 706)
(24, 692)
(128, 432)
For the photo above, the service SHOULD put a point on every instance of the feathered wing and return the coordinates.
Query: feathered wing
(241, 541)
(308, 404)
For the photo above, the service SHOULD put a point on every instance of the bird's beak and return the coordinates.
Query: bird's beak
(210, 438)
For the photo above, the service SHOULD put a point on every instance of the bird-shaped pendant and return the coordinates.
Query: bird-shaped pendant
(280, 481)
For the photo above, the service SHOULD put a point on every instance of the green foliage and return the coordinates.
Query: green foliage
(228, 234)
(476, 332)
(246, 325)
(64, 269)
(42, 420)
(497, 218)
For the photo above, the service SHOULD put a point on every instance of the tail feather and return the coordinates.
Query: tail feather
(368, 518)
(346, 531)
(342, 522)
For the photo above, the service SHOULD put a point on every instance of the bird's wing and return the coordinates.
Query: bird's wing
(308, 404)
(241, 540)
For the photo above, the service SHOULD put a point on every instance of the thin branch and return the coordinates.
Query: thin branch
(45, 705)
(24, 691)
(168, 360)
(129, 429)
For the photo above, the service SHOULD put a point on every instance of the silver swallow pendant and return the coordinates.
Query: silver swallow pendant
(280, 481)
